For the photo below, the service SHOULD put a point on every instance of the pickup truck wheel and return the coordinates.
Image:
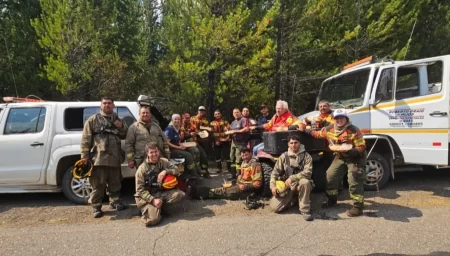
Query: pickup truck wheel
(377, 171)
(76, 190)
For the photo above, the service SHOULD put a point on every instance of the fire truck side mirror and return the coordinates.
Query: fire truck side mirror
(378, 98)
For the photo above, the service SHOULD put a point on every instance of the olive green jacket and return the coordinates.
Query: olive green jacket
(104, 138)
(140, 134)
(281, 168)
(144, 191)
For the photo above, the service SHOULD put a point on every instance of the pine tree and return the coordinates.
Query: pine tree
(20, 55)
(217, 53)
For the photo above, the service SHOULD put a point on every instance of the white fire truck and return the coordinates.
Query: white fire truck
(401, 107)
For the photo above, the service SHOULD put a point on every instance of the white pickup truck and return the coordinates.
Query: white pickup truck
(40, 142)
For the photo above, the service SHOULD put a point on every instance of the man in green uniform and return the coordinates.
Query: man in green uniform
(294, 168)
(141, 133)
(100, 143)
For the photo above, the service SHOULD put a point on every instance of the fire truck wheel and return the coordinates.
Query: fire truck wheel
(377, 172)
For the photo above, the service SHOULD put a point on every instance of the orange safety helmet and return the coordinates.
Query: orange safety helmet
(169, 182)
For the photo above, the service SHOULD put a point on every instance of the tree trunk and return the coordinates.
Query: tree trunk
(211, 92)
(278, 58)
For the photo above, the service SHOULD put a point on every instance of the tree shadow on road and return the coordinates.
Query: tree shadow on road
(12, 201)
(185, 210)
(376, 207)
(392, 212)
(373, 209)
(436, 181)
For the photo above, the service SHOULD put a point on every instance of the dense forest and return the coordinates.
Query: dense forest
(217, 53)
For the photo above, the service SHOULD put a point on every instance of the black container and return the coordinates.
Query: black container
(255, 138)
(276, 143)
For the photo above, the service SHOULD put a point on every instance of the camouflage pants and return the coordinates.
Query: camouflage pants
(152, 215)
(196, 154)
(101, 177)
(356, 172)
(235, 156)
(302, 190)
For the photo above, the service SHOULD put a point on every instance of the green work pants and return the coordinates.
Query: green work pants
(356, 172)
(101, 177)
(235, 156)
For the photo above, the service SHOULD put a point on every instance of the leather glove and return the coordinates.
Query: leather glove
(131, 164)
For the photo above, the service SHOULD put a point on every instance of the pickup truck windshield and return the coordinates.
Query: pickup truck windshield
(345, 90)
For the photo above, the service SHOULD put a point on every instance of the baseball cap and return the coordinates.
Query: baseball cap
(201, 108)
(340, 112)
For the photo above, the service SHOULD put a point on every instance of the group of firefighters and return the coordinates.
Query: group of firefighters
(149, 149)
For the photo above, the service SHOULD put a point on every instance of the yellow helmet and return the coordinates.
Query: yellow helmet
(281, 188)
(81, 170)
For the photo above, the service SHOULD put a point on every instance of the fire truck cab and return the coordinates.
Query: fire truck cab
(400, 106)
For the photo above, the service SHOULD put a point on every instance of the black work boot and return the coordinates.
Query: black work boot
(118, 205)
(331, 201)
(233, 174)
(307, 216)
(97, 212)
(355, 211)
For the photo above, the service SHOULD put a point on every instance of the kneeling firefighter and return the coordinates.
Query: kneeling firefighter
(249, 180)
(291, 179)
(156, 186)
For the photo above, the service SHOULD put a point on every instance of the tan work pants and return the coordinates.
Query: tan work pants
(101, 177)
(152, 215)
(302, 189)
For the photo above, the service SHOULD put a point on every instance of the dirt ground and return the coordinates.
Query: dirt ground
(408, 190)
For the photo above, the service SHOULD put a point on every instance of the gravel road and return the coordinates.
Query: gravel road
(409, 217)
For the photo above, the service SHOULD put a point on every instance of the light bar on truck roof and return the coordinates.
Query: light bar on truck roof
(17, 100)
(360, 62)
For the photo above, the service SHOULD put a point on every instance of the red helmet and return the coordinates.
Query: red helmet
(169, 181)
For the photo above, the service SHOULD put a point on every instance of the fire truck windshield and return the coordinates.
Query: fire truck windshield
(345, 90)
